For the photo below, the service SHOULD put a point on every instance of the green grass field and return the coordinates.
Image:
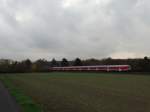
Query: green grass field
(85, 92)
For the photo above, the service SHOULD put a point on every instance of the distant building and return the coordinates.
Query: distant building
(5, 61)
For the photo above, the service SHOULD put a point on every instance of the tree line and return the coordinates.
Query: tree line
(42, 65)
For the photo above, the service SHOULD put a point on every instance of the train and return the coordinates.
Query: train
(103, 68)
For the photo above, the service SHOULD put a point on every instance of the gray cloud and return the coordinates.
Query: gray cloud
(74, 28)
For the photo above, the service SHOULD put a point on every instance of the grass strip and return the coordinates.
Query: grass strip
(26, 103)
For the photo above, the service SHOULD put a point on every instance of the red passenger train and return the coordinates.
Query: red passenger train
(103, 68)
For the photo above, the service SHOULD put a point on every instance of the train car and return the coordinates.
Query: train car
(106, 68)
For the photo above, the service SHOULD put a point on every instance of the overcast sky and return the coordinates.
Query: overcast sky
(74, 28)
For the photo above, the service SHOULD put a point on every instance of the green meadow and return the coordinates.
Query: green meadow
(80, 92)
